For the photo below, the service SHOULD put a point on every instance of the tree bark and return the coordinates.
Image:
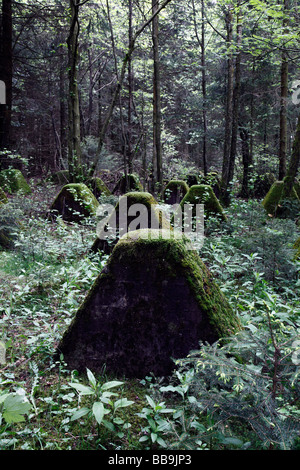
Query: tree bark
(157, 156)
(283, 102)
(120, 82)
(236, 99)
(130, 91)
(229, 101)
(247, 162)
(74, 149)
(6, 73)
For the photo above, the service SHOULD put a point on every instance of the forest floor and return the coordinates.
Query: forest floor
(47, 275)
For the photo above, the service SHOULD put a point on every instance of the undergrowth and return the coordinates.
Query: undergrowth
(242, 395)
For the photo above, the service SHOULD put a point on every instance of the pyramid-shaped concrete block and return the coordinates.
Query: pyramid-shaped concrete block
(74, 202)
(153, 302)
(135, 210)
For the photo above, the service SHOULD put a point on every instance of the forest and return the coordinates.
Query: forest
(126, 332)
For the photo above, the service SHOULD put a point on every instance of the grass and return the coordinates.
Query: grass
(45, 278)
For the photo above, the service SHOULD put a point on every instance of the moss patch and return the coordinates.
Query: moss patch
(105, 241)
(275, 203)
(175, 191)
(154, 301)
(13, 181)
(203, 194)
(74, 202)
(297, 248)
(98, 187)
(3, 197)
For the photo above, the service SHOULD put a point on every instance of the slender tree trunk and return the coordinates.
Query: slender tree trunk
(74, 150)
(204, 114)
(157, 155)
(229, 102)
(236, 98)
(247, 162)
(62, 109)
(130, 91)
(6, 73)
(283, 102)
(201, 43)
(120, 82)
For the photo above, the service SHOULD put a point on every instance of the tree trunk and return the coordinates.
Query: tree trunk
(119, 84)
(157, 156)
(6, 73)
(204, 115)
(74, 149)
(283, 103)
(130, 98)
(247, 162)
(236, 99)
(229, 102)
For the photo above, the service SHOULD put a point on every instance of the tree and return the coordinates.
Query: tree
(283, 100)
(157, 155)
(74, 140)
(120, 81)
(6, 72)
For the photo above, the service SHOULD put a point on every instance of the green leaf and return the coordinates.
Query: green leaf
(122, 403)
(79, 413)
(15, 407)
(108, 385)
(151, 402)
(98, 411)
(83, 389)
(91, 378)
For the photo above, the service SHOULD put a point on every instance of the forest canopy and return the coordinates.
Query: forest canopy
(158, 88)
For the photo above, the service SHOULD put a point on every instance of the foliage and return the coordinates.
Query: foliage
(243, 394)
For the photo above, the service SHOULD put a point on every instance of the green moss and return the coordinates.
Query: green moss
(98, 187)
(140, 245)
(203, 194)
(175, 191)
(274, 199)
(132, 198)
(297, 248)
(3, 197)
(13, 181)
(183, 261)
(74, 202)
(260, 185)
(133, 184)
(155, 300)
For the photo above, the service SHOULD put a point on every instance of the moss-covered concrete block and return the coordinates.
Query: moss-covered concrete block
(74, 202)
(175, 191)
(213, 180)
(275, 202)
(153, 302)
(98, 187)
(261, 185)
(297, 248)
(60, 177)
(204, 194)
(132, 184)
(125, 214)
(13, 181)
